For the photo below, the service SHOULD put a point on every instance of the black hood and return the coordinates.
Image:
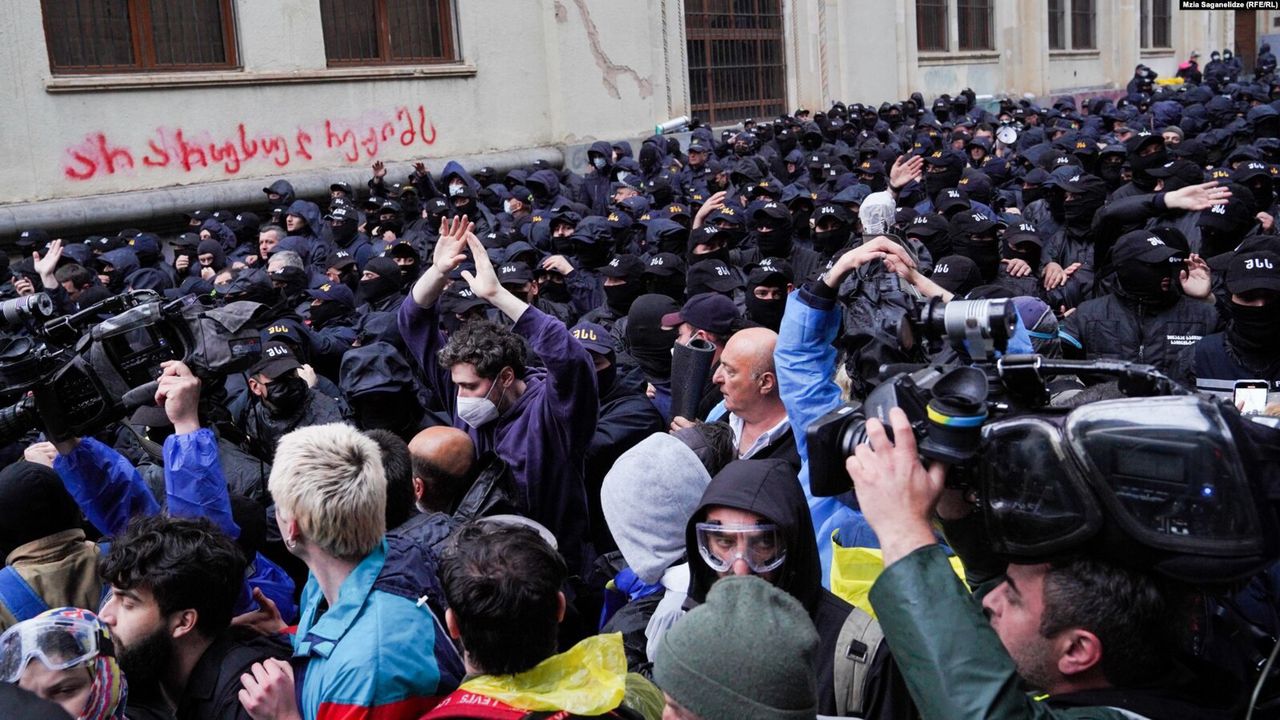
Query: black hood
(767, 488)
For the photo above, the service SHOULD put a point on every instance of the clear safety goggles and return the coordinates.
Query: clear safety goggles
(58, 642)
(762, 547)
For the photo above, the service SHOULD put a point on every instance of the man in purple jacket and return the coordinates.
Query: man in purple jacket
(540, 421)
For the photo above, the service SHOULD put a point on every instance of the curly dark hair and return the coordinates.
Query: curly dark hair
(502, 583)
(486, 346)
(187, 563)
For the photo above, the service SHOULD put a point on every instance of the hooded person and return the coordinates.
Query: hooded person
(116, 267)
(210, 256)
(377, 383)
(280, 401)
(595, 186)
(772, 234)
(216, 230)
(380, 286)
(758, 504)
(623, 283)
(280, 194)
(344, 228)
(647, 498)
(462, 191)
(647, 345)
(303, 219)
(1074, 242)
(974, 235)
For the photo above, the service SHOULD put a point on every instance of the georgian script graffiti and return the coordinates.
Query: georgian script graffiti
(229, 152)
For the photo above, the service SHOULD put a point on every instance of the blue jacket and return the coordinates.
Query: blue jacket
(372, 654)
(110, 491)
(806, 360)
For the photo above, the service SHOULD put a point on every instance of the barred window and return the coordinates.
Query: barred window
(931, 26)
(975, 19)
(736, 59)
(1083, 36)
(111, 36)
(1057, 25)
(387, 32)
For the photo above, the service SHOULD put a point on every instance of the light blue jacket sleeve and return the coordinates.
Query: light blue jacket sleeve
(805, 360)
(105, 485)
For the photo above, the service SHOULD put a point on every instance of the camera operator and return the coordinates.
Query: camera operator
(1094, 638)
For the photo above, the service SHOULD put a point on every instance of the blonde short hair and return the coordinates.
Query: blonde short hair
(330, 479)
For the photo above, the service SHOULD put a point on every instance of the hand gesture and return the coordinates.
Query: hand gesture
(905, 169)
(22, 284)
(484, 282)
(379, 170)
(420, 168)
(182, 262)
(308, 374)
(1054, 276)
(47, 264)
(878, 248)
(266, 620)
(178, 394)
(1016, 267)
(1195, 278)
(267, 691)
(1266, 221)
(559, 264)
(897, 495)
(450, 249)
(713, 203)
(1197, 197)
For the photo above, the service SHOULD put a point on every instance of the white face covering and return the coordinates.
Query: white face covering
(477, 412)
(508, 207)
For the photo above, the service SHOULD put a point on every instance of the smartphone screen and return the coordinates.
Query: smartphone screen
(1253, 395)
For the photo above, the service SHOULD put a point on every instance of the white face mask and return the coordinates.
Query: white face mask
(508, 207)
(598, 162)
(477, 412)
(456, 189)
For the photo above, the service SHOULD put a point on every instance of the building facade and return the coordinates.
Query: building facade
(129, 111)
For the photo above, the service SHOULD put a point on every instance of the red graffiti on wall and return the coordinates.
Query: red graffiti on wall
(186, 151)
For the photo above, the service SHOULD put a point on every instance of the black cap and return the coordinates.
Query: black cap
(957, 274)
(624, 266)
(1247, 171)
(974, 222)
(1023, 232)
(771, 269)
(1142, 246)
(712, 312)
(665, 265)
(343, 213)
(713, 274)
(927, 225)
(593, 337)
(951, 199)
(514, 273)
(1254, 271)
(277, 359)
(1184, 172)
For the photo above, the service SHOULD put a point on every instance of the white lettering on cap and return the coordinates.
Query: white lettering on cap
(1258, 264)
(1218, 209)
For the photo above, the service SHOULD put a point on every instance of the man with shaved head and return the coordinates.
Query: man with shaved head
(442, 458)
(749, 383)
(452, 486)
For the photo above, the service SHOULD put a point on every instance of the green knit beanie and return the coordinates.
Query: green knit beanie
(747, 653)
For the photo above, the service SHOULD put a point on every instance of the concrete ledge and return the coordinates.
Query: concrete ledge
(959, 58)
(222, 78)
(162, 206)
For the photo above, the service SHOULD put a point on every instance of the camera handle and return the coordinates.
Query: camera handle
(1024, 376)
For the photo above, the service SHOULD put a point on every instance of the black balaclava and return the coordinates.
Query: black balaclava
(648, 343)
(936, 182)
(1142, 163)
(1079, 211)
(983, 250)
(671, 286)
(621, 297)
(1028, 252)
(1255, 333)
(766, 312)
(387, 283)
(827, 242)
(1112, 173)
(1144, 281)
(345, 231)
(325, 313)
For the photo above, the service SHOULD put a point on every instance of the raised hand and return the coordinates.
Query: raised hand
(905, 169)
(484, 281)
(379, 170)
(450, 249)
(1197, 197)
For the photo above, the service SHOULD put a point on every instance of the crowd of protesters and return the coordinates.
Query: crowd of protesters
(454, 484)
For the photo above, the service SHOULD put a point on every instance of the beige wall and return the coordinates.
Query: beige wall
(533, 73)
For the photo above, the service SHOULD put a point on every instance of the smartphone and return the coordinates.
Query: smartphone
(1253, 395)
